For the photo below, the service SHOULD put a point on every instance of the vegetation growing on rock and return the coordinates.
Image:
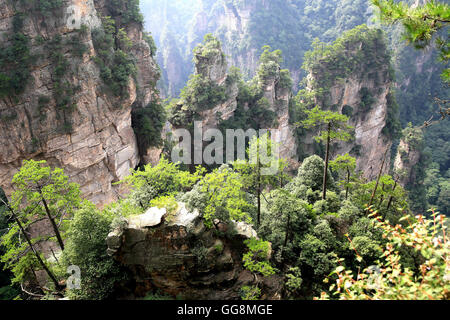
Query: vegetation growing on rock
(327, 230)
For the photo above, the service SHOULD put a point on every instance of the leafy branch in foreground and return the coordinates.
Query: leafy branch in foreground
(390, 279)
(421, 24)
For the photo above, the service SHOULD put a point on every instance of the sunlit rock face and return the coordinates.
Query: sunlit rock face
(94, 142)
(176, 254)
(405, 160)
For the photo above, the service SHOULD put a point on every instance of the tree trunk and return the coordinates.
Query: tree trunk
(382, 196)
(391, 197)
(325, 169)
(258, 190)
(259, 201)
(38, 257)
(348, 182)
(378, 180)
(52, 221)
(287, 230)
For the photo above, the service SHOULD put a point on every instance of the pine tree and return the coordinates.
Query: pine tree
(332, 126)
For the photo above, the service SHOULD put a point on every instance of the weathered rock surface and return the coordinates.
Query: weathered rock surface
(101, 147)
(279, 99)
(370, 140)
(232, 21)
(214, 68)
(363, 93)
(407, 160)
(181, 257)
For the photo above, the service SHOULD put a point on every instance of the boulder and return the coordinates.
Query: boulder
(181, 257)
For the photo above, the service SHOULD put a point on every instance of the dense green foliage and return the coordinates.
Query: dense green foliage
(128, 10)
(224, 197)
(361, 53)
(414, 140)
(303, 235)
(151, 43)
(86, 248)
(306, 234)
(116, 65)
(393, 280)
(15, 60)
(253, 109)
(354, 53)
(7, 291)
(64, 90)
(41, 195)
(202, 94)
(46, 6)
(256, 259)
(287, 25)
(294, 25)
(424, 25)
(260, 157)
(147, 124)
(331, 126)
(437, 188)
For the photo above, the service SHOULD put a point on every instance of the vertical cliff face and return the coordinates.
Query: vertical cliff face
(174, 71)
(370, 144)
(354, 77)
(276, 88)
(406, 159)
(409, 167)
(231, 24)
(245, 26)
(220, 99)
(66, 112)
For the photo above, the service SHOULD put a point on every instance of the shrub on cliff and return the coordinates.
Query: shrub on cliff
(15, 61)
(164, 179)
(86, 248)
(116, 65)
(148, 123)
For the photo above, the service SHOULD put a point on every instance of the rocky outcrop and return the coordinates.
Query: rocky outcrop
(405, 160)
(279, 99)
(370, 144)
(240, 104)
(176, 254)
(354, 77)
(94, 142)
(409, 152)
(231, 23)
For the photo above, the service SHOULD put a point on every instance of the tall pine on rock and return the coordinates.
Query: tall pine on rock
(332, 126)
